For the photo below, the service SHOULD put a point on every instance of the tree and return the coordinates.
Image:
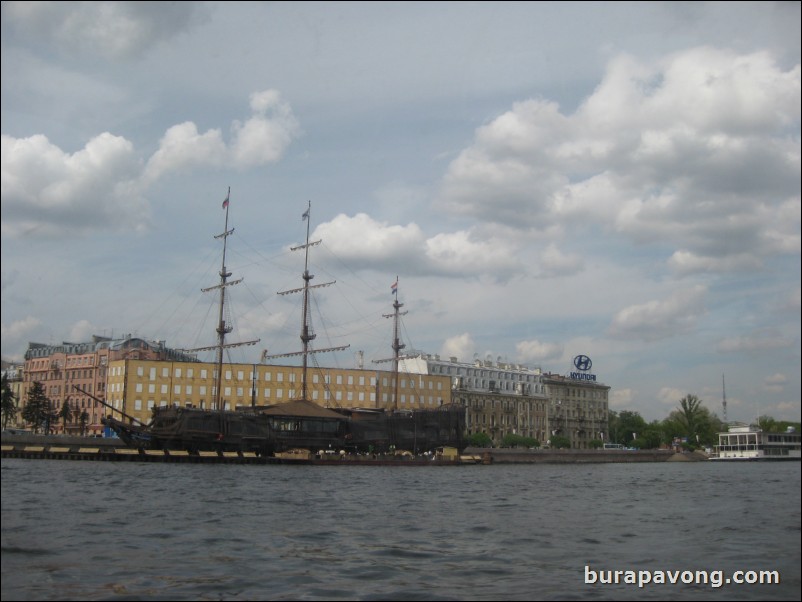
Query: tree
(37, 408)
(480, 440)
(696, 422)
(690, 408)
(628, 425)
(560, 442)
(65, 414)
(9, 406)
(512, 440)
(83, 420)
(770, 425)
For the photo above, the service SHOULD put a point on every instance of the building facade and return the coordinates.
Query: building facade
(503, 398)
(135, 387)
(578, 409)
(499, 398)
(76, 372)
(14, 372)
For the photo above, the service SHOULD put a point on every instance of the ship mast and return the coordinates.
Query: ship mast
(222, 328)
(307, 334)
(724, 399)
(397, 344)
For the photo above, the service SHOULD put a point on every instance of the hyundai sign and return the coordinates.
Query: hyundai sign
(583, 364)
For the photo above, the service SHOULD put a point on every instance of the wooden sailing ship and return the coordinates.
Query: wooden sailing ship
(299, 423)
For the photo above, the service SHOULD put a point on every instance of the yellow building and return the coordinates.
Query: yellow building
(135, 386)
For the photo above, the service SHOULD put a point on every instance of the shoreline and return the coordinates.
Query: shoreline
(61, 447)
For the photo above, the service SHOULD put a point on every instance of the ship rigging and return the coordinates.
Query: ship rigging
(222, 327)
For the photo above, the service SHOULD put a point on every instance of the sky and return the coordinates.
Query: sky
(544, 180)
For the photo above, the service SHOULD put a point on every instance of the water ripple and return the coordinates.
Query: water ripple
(127, 531)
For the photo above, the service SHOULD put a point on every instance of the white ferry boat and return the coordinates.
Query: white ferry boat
(744, 442)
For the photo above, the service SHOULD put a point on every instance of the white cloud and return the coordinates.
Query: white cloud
(82, 331)
(361, 238)
(109, 30)
(260, 140)
(47, 190)
(621, 399)
(50, 192)
(182, 146)
(555, 263)
(670, 396)
(460, 346)
(537, 351)
(660, 318)
(756, 341)
(460, 254)
(373, 244)
(697, 152)
(263, 138)
(775, 383)
(20, 329)
(684, 263)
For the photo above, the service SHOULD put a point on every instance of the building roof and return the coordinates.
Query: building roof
(302, 408)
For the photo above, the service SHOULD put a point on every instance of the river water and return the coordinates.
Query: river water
(142, 531)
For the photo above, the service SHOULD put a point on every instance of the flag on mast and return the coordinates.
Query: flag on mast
(394, 287)
(225, 202)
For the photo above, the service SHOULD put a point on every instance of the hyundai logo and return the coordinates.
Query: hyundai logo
(582, 362)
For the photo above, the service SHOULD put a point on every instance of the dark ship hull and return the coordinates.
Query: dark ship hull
(296, 425)
(196, 430)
